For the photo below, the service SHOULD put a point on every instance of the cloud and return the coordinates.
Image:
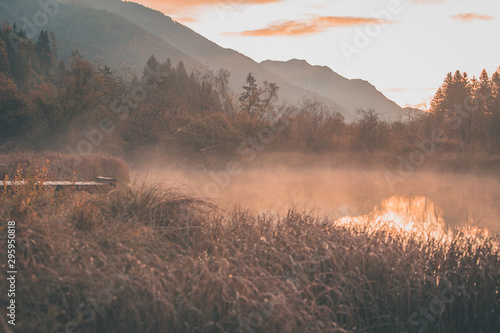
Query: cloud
(470, 17)
(312, 26)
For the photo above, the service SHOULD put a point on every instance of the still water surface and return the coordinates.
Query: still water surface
(432, 200)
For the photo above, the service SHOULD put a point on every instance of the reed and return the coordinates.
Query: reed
(147, 259)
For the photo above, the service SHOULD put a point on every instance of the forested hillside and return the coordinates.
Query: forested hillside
(98, 35)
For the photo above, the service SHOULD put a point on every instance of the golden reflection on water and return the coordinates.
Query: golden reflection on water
(415, 214)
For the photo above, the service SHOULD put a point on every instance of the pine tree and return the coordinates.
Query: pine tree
(182, 79)
(484, 82)
(167, 66)
(450, 103)
(437, 103)
(494, 112)
(250, 97)
(19, 53)
(43, 50)
(151, 69)
(440, 100)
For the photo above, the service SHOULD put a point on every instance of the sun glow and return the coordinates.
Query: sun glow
(408, 214)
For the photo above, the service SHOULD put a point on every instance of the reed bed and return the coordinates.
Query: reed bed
(144, 258)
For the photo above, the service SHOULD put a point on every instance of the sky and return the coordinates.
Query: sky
(403, 47)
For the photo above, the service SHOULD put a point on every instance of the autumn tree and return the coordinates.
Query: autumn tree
(258, 101)
(370, 131)
(75, 97)
(315, 126)
(268, 97)
(13, 115)
(221, 83)
(4, 60)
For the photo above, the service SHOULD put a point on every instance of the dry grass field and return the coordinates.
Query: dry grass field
(143, 258)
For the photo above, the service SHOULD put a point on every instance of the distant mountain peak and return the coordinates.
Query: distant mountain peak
(298, 61)
(352, 95)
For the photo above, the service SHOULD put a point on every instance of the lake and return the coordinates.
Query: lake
(432, 199)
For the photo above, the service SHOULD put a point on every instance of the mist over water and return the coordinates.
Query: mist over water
(450, 198)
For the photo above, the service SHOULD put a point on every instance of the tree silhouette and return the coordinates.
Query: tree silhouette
(249, 98)
(43, 49)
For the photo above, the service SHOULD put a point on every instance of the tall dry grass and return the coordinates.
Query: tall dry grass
(145, 259)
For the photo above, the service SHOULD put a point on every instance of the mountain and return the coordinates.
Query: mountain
(97, 34)
(351, 94)
(207, 52)
(411, 113)
(119, 33)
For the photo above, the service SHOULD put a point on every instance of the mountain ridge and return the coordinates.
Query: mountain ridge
(351, 94)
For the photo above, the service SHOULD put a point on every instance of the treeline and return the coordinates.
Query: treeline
(469, 111)
(77, 106)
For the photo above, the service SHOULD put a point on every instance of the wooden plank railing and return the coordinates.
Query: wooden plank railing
(99, 183)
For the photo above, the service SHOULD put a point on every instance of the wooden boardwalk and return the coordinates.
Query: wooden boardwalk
(99, 183)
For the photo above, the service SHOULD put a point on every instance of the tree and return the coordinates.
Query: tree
(78, 93)
(370, 131)
(4, 60)
(19, 59)
(482, 103)
(53, 43)
(222, 86)
(494, 111)
(12, 108)
(451, 103)
(268, 96)
(150, 71)
(258, 102)
(43, 49)
(438, 102)
(206, 99)
(460, 97)
(315, 126)
(249, 98)
(182, 79)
